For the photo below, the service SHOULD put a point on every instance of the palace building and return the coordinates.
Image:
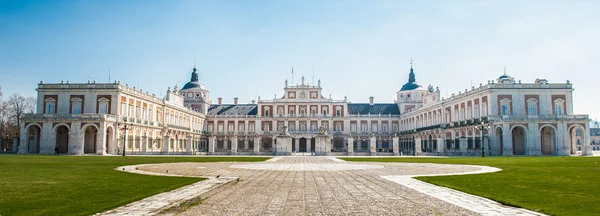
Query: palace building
(503, 117)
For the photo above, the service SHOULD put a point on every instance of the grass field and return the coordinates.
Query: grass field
(71, 185)
(551, 185)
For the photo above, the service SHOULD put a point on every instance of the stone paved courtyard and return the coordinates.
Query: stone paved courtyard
(314, 186)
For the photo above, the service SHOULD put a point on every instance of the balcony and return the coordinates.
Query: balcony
(178, 127)
(70, 117)
(538, 117)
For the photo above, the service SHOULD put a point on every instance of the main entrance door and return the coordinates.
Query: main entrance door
(302, 145)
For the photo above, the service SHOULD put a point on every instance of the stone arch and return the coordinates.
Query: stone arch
(548, 140)
(110, 140)
(90, 138)
(576, 138)
(62, 138)
(519, 138)
(33, 135)
(302, 145)
(61, 124)
(137, 139)
(499, 139)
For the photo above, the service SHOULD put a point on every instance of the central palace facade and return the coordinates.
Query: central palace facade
(502, 117)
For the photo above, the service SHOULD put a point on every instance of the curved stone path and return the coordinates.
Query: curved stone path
(329, 186)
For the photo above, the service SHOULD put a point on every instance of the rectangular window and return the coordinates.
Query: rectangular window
(50, 107)
(338, 127)
(532, 109)
(558, 109)
(76, 107)
(123, 109)
(338, 113)
(103, 108)
(505, 109)
(353, 127)
(267, 128)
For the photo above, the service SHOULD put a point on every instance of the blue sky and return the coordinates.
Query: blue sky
(247, 48)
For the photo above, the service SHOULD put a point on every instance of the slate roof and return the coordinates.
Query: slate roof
(365, 108)
(231, 109)
(594, 131)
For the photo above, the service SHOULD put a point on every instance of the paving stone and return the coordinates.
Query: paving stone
(329, 186)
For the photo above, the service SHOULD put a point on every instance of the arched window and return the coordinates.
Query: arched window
(50, 105)
(559, 107)
(505, 106)
(76, 105)
(103, 106)
(532, 106)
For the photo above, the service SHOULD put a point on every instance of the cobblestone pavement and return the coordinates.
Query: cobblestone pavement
(315, 186)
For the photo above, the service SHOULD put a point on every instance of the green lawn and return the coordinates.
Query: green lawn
(551, 185)
(71, 185)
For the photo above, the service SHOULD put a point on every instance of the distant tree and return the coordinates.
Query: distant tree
(20, 105)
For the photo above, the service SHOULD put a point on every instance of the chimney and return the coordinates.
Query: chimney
(371, 100)
(235, 100)
(220, 100)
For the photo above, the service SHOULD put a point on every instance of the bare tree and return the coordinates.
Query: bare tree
(20, 105)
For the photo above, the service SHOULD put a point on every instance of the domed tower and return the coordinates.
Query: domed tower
(195, 96)
(411, 94)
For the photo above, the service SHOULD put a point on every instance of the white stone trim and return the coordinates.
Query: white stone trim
(464, 200)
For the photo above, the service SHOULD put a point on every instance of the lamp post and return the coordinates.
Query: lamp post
(125, 126)
(483, 127)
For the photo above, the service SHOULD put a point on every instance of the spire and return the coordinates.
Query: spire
(411, 75)
(194, 73)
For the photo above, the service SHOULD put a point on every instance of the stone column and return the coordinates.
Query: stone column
(533, 147)
(22, 148)
(188, 144)
(462, 145)
(234, 144)
(395, 146)
(76, 139)
(562, 139)
(441, 145)
(586, 147)
(166, 143)
(485, 143)
(417, 145)
(101, 140)
(246, 143)
(350, 146)
(507, 148)
(211, 144)
(373, 145)
(256, 145)
(308, 143)
(16, 144)
(297, 145)
(144, 143)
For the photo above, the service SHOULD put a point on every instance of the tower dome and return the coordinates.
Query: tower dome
(193, 83)
(412, 82)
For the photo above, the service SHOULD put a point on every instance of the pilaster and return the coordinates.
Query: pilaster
(373, 144)
(417, 145)
(188, 144)
(166, 143)
(395, 146)
(234, 144)
(350, 146)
